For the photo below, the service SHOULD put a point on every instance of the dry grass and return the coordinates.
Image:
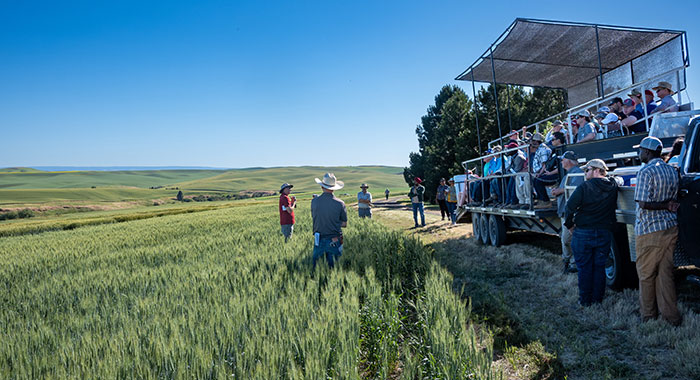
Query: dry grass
(520, 294)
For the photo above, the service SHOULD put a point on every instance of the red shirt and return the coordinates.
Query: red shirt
(286, 217)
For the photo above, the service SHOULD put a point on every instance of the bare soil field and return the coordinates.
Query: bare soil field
(519, 292)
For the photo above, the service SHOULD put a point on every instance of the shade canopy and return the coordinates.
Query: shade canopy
(562, 55)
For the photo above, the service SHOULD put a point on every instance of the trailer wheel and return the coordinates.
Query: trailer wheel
(497, 230)
(476, 224)
(620, 271)
(484, 228)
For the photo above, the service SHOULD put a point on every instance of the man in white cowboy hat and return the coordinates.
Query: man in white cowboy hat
(286, 208)
(364, 202)
(329, 217)
(664, 91)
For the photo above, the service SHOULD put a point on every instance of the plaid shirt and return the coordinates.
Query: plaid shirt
(656, 182)
(541, 156)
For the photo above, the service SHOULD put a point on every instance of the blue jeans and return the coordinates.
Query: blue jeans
(496, 189)
(511, 195)
(476, 191)
(365, 212)
(418, 207)
(451, 208)
(327, 247)
(540, 184)
(591, 248)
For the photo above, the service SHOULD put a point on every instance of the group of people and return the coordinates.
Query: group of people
(328, 213)
(510, 179)
(588, 221)
(624, 116)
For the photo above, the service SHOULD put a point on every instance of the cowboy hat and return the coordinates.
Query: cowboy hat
(329, 182)
(665, 85)
(284, 186)
(364, 186)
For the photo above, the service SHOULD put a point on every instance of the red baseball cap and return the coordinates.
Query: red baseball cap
(512, 145)
(417, 179)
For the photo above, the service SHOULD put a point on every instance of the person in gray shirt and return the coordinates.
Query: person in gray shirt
(329, 217)
(569, 161)
(364, 202)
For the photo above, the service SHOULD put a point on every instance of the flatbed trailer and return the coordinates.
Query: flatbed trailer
(514, 59)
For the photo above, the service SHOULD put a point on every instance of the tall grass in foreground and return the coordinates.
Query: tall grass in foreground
(218, 294)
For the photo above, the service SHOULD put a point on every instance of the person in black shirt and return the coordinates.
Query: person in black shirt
(632, 115)
(590, 216)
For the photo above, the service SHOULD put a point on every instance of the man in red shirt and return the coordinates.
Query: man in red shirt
(286, 208)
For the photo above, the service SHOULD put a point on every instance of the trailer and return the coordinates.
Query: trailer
(543, 53)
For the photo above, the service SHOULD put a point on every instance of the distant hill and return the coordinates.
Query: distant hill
(121, 168)
(19, 170)
(377, 177)
(111, 186)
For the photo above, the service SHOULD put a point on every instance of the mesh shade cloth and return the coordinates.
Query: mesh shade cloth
(562, 55)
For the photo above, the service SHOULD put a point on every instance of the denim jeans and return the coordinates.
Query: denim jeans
(418, 207)
(477, 192)
(591, 249)
(443, 208)
(329, 248)
(540, 184)
(451, 208)
(496, 189)
(365, 212)
(511, 197)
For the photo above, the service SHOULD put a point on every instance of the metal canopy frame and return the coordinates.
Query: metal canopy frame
(554, 63)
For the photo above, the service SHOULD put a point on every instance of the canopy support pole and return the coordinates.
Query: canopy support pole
(498, 120)
(600, 65)
(478, 139)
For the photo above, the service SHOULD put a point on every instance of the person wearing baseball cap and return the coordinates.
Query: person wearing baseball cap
(573, 177)
(584, 130)
(590, 216)
(557, 126)
(636, 96)
(364, 202)
(664, 91)
(649, 99)
(615, 106)
(656, 227)
(629, 108)
(286, 209)
(329, 218)
(416, 195)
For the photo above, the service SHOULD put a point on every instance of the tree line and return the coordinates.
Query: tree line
(447, 134)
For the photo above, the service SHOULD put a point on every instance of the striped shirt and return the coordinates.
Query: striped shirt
(656, 182)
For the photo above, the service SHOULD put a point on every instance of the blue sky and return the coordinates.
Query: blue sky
(250, 83)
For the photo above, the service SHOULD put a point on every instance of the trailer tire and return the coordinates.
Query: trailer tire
(476, 226)
(497, 230)
(484, 228)
(620, 271)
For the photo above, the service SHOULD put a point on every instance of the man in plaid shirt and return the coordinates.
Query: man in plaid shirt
(656, 227)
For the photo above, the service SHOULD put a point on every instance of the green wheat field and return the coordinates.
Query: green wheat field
(216, 294)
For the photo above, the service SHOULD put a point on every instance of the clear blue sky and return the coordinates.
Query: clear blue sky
(251, 83)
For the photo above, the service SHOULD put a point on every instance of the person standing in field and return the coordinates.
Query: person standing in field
(440, 195)
(286, 208)
(590, 217)
(386, 193)
(452, 201)
(364, 202)
(416, 195)
(329, 217)
(656, 227)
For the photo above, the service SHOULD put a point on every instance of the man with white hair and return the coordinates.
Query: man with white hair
(329, 217)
